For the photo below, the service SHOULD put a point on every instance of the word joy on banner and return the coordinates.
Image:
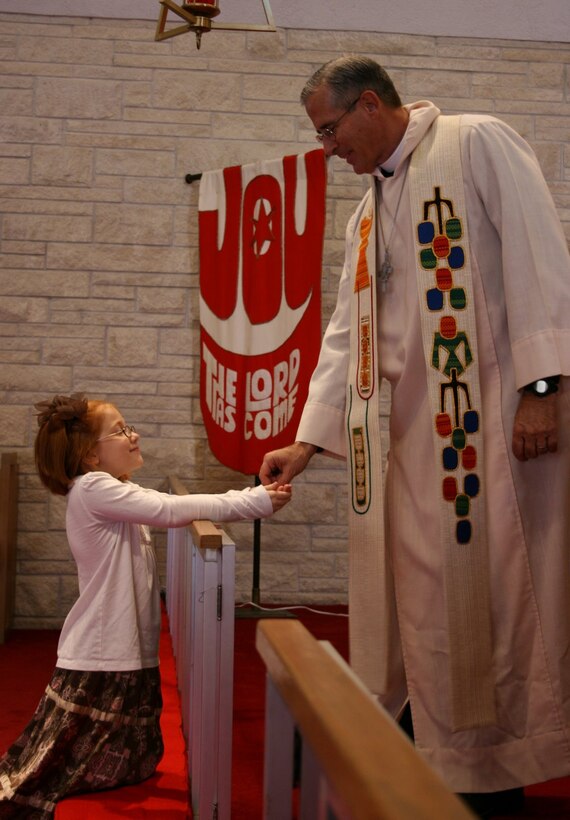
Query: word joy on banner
(261, 238)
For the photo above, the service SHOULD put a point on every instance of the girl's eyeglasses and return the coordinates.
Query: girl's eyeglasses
(127, 431)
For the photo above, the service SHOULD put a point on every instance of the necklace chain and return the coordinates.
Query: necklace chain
(386, 269)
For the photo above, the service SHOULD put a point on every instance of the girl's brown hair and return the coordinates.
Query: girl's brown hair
(69, 427)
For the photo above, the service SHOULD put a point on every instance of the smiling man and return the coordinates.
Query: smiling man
(456, 290)
(368, 129)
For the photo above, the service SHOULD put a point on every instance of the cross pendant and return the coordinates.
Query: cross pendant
(386, 269)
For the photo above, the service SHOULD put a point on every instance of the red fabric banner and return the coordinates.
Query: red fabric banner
(261, 240)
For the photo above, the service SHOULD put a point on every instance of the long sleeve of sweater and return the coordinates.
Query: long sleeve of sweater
(111, 499)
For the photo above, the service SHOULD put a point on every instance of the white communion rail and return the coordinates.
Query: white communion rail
(200, 601)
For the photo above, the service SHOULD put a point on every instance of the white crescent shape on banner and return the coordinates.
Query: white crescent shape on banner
(238, 335)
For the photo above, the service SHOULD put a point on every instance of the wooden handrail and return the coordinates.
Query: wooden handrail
(176, 486)
(366, 758)
(205, 534)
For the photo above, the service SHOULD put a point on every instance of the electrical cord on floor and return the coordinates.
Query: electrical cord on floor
(288, 608)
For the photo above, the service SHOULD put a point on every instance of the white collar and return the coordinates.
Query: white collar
(392, 162)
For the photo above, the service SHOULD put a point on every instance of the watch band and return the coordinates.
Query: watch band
(543, 387)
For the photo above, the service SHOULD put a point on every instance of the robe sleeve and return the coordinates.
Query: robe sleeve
(535, 261)
(323, 419)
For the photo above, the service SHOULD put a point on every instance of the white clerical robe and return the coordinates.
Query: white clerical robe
(521, 280)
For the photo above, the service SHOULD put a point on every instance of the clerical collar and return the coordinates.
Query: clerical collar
(387, 169)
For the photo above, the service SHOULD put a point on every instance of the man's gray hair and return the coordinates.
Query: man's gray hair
(350, 75)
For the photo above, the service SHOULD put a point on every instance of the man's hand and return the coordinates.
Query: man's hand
(535, 430)
(283, 465)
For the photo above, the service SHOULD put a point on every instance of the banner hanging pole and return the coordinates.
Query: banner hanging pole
(253, 611)
(255, 588)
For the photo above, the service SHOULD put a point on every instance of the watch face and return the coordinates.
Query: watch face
(541, 386)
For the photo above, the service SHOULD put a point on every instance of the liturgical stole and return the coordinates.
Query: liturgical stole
(445, 294)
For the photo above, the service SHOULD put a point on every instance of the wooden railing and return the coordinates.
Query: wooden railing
(8, 533)
(200, 601)
(356, 763)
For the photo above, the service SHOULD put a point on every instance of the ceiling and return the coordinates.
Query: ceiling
(536, 20)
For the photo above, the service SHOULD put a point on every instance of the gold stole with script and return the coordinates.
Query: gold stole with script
(371, 596)
(445, 292)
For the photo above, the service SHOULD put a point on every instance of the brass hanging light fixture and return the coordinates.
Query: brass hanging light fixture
(198, 18)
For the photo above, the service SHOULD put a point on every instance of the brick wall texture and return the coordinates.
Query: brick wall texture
(99, 125)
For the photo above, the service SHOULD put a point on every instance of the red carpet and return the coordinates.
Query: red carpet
(249, 705)
(26, 662)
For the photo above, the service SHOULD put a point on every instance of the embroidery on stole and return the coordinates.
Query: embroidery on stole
(445, 291)
(450, 344)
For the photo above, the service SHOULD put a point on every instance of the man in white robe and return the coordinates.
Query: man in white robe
(521, 290)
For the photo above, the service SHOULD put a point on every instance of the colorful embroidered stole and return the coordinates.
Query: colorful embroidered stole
(450, 345)
(449, 335)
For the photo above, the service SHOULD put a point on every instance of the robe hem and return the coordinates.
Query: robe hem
(510, 765)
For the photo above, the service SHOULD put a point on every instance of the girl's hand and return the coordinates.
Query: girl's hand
(280, 494)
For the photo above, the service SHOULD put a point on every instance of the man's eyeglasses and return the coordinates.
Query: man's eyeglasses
(329, 131)
(127, 431)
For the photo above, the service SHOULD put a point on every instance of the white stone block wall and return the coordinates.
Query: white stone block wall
(99, 125)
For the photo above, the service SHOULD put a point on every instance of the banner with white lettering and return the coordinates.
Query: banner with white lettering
(261, 241)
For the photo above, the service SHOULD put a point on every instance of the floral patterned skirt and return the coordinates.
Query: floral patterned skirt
(91, 731)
